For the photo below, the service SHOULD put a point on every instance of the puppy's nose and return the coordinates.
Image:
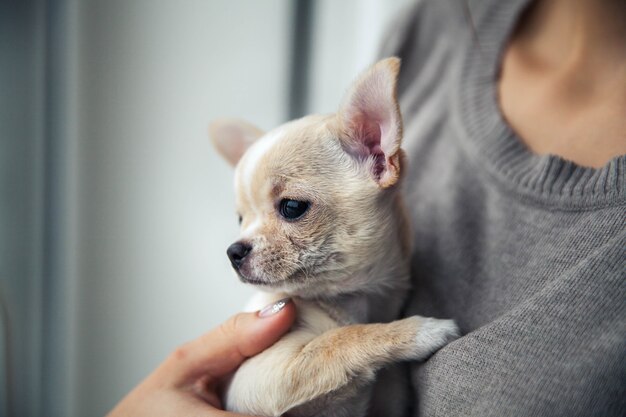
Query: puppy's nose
(237, 253)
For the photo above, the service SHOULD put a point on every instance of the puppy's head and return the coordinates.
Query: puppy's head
(316, 196)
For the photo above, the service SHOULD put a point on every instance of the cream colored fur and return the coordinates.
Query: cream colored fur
(345, 260)
(319, 357)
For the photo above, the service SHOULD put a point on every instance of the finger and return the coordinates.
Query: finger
(220, 413)
(221, 350)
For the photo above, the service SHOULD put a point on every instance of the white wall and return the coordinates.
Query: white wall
(154, 202)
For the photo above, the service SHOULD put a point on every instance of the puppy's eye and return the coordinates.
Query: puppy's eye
(292, 209)
(239, 218)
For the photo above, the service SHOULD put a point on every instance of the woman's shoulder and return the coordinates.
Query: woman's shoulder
(428, 36)
(422, 24)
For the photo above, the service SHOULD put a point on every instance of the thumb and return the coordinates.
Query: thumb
(222, 350)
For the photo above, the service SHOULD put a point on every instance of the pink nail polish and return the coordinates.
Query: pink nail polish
(272, 309)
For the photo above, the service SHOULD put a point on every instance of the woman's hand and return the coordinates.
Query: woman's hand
(186, 383)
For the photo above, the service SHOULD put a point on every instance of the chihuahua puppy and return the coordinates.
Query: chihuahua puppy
(322, 221)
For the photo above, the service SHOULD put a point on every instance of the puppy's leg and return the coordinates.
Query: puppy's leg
(350, 354)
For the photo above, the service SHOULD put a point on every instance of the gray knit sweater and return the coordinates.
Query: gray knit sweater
(526, 252)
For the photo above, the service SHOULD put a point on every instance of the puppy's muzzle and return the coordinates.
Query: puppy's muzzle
(237, 253)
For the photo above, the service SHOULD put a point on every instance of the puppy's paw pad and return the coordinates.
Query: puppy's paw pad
(433, 334)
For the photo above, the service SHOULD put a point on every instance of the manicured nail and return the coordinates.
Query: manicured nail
(272, 309)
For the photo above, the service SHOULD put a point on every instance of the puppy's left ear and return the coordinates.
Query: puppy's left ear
(233, 137)
(371, 122)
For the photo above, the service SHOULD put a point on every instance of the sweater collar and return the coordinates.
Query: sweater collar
(492, 142)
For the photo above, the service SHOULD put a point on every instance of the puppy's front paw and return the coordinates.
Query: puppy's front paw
(433, 334)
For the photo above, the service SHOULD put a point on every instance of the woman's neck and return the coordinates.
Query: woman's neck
(563, 82)
(585, 34)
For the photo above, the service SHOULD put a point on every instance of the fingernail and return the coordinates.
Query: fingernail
(272, 309)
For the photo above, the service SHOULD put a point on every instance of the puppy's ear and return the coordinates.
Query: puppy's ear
(371, 123)
(233, 137)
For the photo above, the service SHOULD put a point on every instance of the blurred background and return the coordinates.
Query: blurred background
(115, 212)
